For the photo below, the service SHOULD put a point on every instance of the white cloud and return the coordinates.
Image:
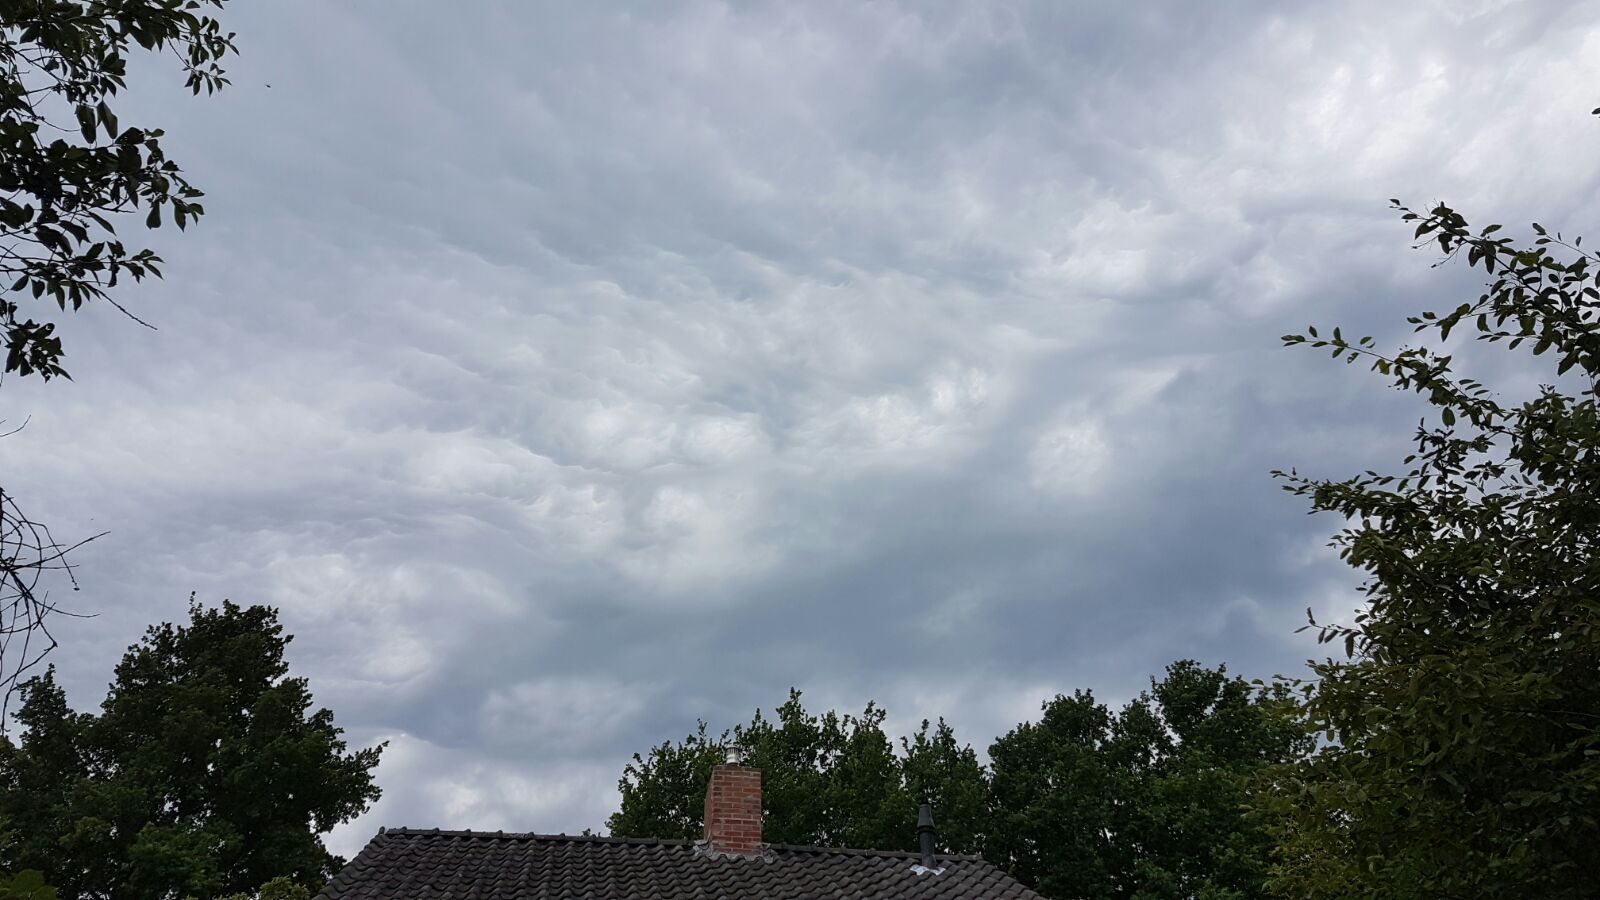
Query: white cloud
(1070, 459)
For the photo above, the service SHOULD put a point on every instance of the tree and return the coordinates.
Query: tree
(1147, 802)
(69, 172)
(663, 791)
(206, 772)
(827, 780)
(1463, 719)
(946, 773)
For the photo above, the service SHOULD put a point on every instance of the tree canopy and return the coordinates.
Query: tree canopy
(1145, 802)
(827, 780)
(206, 771)
(1463, 717)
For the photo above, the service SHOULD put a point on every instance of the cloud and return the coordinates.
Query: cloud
(566, 377)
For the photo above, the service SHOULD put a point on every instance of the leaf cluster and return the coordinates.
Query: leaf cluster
(280, 888)
(69, 167)
(29, 884)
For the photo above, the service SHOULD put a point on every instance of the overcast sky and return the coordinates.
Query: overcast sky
(567, 373)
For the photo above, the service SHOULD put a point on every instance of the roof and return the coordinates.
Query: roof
(416, 864)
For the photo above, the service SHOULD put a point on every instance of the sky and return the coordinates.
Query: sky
(569, 373)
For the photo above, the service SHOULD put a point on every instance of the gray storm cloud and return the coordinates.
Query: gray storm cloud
(569, 375)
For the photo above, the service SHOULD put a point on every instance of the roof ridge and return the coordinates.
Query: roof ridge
(851, 851)
(529, 836)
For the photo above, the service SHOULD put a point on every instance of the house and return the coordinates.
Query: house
(730, 863)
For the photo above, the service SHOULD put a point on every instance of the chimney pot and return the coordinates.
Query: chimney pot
(925, 834)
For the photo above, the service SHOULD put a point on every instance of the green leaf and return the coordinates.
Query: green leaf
(86, 122)
(108, 120)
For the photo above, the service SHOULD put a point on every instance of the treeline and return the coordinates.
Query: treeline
(1145, 800)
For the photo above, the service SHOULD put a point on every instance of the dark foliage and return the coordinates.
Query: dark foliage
(1147, 802)
(1464, 716)
(827, 780)
(69, 167)
(206, 771)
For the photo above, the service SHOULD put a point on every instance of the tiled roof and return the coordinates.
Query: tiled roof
(413, 864)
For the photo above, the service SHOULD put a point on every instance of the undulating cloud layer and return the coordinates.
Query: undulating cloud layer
(569, 374)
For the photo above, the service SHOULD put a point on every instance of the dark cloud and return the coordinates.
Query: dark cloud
(567, 377)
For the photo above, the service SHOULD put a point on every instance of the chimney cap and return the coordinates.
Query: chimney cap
(733, 754)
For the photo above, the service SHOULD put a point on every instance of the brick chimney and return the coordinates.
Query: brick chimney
(733, 807)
